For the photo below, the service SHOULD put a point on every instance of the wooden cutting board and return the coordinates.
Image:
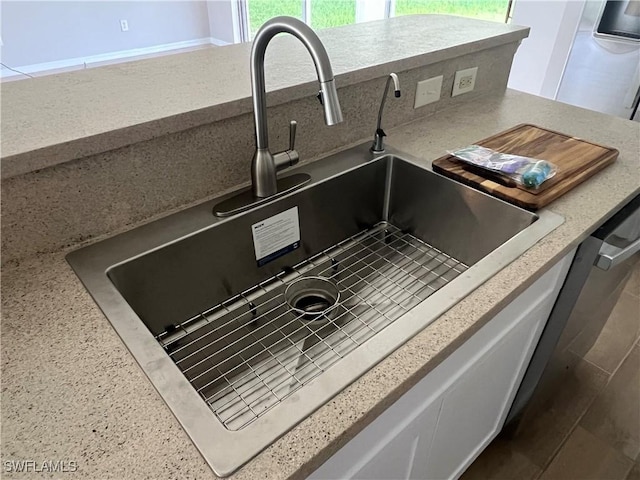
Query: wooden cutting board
(575, 159)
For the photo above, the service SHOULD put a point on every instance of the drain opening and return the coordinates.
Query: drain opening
(312, 298)
(313, 305)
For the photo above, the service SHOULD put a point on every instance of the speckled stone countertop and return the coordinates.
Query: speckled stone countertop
(53, 119)
(71, 391)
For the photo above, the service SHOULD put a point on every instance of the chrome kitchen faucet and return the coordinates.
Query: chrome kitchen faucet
(265, 164)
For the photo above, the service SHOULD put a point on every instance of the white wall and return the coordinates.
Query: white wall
(37, 32)
(540, 60)
(221, 21)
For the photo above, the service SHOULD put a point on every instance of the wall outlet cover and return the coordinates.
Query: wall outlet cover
(428, 91)
(464, 81)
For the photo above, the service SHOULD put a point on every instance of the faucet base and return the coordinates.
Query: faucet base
(245, 200)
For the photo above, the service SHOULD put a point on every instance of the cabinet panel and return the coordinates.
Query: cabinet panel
(405, 455)
(394, 460)
(474, 409)
(388, 447)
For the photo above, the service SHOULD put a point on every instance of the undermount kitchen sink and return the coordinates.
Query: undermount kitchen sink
(239, 347)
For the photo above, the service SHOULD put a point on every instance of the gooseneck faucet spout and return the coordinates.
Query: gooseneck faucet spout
(264, 165)
(378, 139)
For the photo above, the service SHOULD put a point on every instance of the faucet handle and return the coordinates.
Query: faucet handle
(292, 134)
(289, 157)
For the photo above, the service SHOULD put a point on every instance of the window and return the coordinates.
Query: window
(495, 10)
(259, 11)
(316, 13)
(332, 13)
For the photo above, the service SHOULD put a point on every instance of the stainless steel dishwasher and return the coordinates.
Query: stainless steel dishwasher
(600, 269)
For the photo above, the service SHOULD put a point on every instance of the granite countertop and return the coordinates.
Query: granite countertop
(71, 391)
(53, 119)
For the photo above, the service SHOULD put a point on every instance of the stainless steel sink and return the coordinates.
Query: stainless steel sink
(240, 348)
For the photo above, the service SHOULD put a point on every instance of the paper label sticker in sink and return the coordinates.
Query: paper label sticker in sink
(276, 236)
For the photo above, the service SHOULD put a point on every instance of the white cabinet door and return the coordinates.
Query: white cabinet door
(490, 367)
(405, 455)
(395, 446)
(439, 427)
(473, 410)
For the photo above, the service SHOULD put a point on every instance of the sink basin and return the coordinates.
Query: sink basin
(245, 325)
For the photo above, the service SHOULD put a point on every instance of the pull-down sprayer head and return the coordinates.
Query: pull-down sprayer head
(329, 99)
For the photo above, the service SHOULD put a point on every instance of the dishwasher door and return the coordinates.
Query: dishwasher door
(617, 255)
(601, 267)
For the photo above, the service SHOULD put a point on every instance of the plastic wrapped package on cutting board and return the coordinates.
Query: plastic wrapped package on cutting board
(530, 172)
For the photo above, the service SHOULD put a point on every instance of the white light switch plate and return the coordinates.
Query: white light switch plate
(428, 91)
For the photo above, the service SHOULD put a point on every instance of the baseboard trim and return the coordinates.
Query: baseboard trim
(218, 42)
(93, 60)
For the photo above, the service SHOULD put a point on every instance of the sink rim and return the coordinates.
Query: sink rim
(92, 264)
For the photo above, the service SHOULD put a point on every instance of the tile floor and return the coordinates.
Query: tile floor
(585, 423)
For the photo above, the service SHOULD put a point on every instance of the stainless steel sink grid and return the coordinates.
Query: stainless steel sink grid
(247, 354)
(209, 325)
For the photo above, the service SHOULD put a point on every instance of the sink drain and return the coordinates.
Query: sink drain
(312, 298)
